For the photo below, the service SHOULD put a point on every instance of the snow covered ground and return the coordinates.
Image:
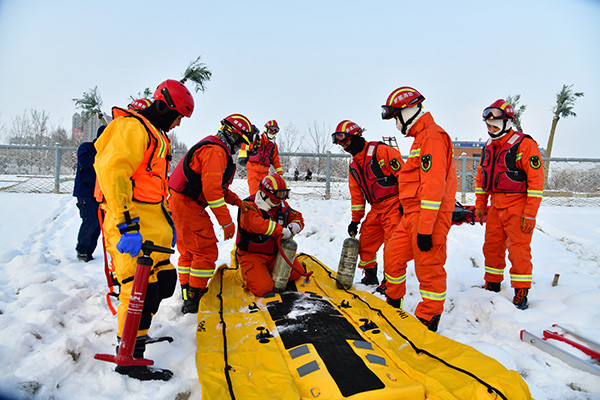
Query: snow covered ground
(53, 315)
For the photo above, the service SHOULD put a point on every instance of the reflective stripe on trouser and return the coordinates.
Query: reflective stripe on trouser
(155, 227)
(502, 232)
(375, 230)
(429, 266)
(255, 173)
(256, 269)
(196, 243)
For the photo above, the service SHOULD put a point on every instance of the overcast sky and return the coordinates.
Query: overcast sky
(307, 62)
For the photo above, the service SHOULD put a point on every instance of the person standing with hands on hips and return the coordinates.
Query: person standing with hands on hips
(132, 165)
(201, 180)
(427, 188)
(511, 176)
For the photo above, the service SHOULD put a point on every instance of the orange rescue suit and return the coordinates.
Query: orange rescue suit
(384, 215)
(427, 184)
(258, 230)
(258, 164)
(508, 208)
(196, 239)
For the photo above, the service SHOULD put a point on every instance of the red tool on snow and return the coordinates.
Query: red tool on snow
(134, 310)
(586, 345)
(465, 214)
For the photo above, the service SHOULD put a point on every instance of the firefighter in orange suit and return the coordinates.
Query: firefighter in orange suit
(373, 178)
(202, 179)
(132, 164)
(265, 153)
(510, 174)
(427, 185)
(259, 229)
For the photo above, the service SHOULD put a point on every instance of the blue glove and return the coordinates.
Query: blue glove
(174, 236)
(131, 239)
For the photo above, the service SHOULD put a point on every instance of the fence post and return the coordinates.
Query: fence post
(57, 169)
(463, 179)
(328, 177)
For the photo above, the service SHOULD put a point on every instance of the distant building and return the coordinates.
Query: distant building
(85, 132)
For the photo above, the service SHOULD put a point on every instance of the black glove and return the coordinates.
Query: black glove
(424, 242)
(401, 209)
(353, 228)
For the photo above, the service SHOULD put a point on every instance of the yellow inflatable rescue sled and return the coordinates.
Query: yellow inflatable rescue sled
(316, 341)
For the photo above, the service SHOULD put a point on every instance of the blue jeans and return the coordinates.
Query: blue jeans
(89, 231)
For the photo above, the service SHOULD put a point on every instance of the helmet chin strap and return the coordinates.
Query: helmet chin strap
(262, 201)
(227, 137)
(270, 136)
(504, 128)
(402, 125)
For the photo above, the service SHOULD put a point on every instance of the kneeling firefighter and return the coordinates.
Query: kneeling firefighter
(132, 163)
(258, 231)
(201, 180)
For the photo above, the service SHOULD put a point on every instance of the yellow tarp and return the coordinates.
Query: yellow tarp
(326, 343)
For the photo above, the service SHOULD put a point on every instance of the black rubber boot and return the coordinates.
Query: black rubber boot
(492, 286)
(191, 299)
(432, 324)
(143, 372)
(370, 277)
(396, 303)
(520, 299)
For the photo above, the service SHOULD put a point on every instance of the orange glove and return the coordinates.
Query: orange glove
(243, 205)
(228, 230)
(527, 224)
(479, 215)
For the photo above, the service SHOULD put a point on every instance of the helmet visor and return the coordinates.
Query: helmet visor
(494, 113)
(279, 194)
(339, 137)
(273, 129)
(389, 112)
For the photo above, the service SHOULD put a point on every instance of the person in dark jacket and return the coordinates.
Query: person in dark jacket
(83, 189)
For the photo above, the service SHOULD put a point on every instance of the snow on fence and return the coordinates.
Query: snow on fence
(51, 169)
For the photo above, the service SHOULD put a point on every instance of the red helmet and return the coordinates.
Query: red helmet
(272, 125)
(139, 104)
(401, 98)
(241, 125)
(345, 129)
(500, 109)
(176, 96)
(275, 188)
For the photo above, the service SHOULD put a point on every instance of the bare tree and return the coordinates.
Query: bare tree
(519, 109)
(320, 138)
(289, 139)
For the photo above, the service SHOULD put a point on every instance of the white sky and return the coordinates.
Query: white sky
(311, 61)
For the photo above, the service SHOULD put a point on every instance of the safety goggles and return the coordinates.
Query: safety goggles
(494, 113)
(273, 129)
(339, 137)
(281, 194)
(389, 112)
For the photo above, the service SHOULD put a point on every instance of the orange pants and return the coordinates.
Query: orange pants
(503, 231)
(376, 230)
(429, 265)
(255, 174)
(196, 241)
(257, 268)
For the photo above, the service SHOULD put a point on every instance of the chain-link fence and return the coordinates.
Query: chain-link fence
(42, 169)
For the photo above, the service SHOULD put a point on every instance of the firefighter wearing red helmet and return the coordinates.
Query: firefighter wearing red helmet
(511, 177)
(427, 187)
(132, 166)
(373, 179)
(259, 157)
(258, 230)
(201, 182)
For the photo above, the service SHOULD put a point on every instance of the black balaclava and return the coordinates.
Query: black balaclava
(160, 115)
(357, 143)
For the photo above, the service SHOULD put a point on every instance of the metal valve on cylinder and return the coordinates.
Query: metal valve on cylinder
(347, 265)
(281, 269)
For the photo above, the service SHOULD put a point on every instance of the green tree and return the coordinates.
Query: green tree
(565, 101)
(91, 105)
(197, 73)
(145, 94)
(519, 109)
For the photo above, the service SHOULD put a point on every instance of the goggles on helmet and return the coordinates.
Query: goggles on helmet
(389, 112)
(339, 137)
(273, 129)
(495, 113)
(280, 194)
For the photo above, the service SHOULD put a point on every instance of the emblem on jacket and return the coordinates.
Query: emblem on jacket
(426, 162)
(394, 164)
(535, 162)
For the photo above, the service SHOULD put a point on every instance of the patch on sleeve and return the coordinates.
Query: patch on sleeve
(426, 162)
(535, 162)
(394, 164)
